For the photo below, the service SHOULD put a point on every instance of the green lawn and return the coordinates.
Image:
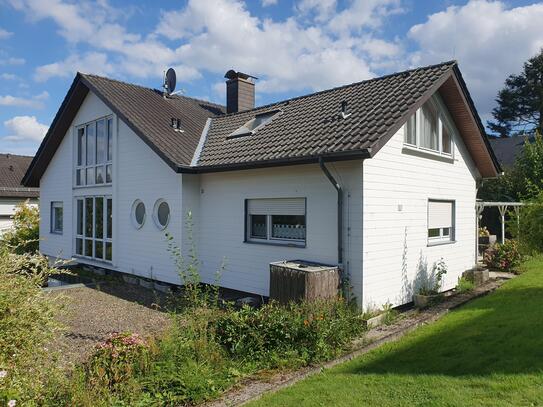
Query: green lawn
(487, 353)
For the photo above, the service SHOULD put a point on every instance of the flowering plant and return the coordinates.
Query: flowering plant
(503, 256)
(483, 232)
(116, 358)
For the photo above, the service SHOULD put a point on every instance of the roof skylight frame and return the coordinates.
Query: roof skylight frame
(247, 130)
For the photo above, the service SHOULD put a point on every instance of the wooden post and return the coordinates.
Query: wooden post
(503, 210)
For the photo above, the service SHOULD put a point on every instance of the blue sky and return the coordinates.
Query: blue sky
(293, 46)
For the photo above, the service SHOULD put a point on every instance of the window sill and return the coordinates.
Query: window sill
(441, 243)
(92, 260)
(275, 243)
(92, 186)
(55, 233)
(420, 152)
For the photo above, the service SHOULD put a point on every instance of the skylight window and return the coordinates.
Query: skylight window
(257, 122)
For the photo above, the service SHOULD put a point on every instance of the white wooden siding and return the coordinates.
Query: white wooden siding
(138, 173)
(222, 222)
(396, 189)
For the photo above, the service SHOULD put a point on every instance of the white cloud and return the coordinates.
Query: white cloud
(12, 61)
(8, 76)
(267, 3)
(33, 102)
(24, 128)
(5, 34)
(364, 14)
(322, 9)
(286, 55)
(92, 62)
(490, 41)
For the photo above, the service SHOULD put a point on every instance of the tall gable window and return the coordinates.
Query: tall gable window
(94, 153)
(427, 129)
(94, 227)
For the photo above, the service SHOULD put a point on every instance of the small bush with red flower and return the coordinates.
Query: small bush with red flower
(116, 360)
(503, 256)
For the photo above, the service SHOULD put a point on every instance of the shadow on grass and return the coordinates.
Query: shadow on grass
(498, 334)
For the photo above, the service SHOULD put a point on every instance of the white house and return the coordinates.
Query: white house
(379, 176)
(12, 193)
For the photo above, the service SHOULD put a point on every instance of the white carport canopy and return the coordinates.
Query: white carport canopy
(502, 207)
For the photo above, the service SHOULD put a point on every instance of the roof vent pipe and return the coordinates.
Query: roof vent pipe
(240, 91)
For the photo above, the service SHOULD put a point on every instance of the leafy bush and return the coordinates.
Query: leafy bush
(464, 285)
(503, 256)
(529, 230)
(24, 235)
(296, 334)
(116, 359)
(27, 325)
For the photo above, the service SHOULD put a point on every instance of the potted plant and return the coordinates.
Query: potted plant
(428, 292)
(484, 236)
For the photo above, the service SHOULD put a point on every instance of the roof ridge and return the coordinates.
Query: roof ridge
(148, 88)
(451, 62)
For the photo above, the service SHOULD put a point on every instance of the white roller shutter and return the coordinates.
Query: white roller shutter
(276, 206)
(440, 214)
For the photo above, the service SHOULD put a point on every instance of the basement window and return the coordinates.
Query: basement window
(276, 221)
(256, 123)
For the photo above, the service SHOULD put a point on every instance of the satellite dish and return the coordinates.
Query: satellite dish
(170, 81)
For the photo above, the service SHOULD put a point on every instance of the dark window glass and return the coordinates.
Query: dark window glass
(79, 174)
(99, 246)
(163, 213)
(446, 140)
(109, 139)
(57, 217)
(100, 174)
(80, 146)
(88, 247)
(109, 251)
(108, 173)
(433, 232)
(258, 227)
(140, 213)
(99, 218)
(91, 143)
(101, 140)
(109, 218)
(411, 130)
(80, 217)
(79, 246)
(90, 176)
(288, 227)
(88, 218)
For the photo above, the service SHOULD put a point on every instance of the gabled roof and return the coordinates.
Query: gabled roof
(309, 127)
(12, 170)
(144, 110)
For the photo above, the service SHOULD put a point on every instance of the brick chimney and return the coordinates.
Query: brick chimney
(240, 91)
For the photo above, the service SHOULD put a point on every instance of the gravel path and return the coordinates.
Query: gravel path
(90, 314)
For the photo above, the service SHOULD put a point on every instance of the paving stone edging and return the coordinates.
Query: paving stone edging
(253, 389)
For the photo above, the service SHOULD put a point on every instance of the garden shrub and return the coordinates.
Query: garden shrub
(295, 334)
(503, 256)
(529, 230)
(116, 360)
(24, 235)
(27, 325)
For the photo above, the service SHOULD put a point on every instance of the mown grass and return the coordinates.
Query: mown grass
(487, 353)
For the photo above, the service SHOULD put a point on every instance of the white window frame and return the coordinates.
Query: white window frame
(443, 122)
(108, 163)
(270, 239)
(83, 237)
(155, 214)
(56, 205)
(446, 234)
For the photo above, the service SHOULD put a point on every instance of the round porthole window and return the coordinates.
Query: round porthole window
(138, 213)
(162, 213)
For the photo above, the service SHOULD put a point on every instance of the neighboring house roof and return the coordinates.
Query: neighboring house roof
(507, 149)
(308, 128)
(12, 170)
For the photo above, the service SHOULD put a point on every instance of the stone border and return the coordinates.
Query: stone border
(253, 389)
